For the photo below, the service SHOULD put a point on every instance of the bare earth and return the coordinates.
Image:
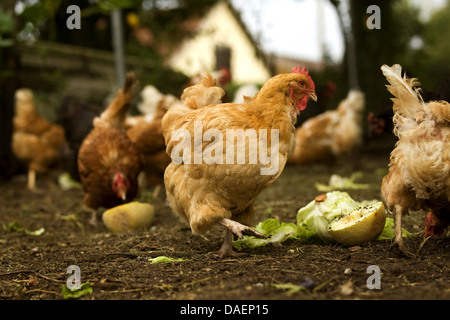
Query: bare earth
(118, 268)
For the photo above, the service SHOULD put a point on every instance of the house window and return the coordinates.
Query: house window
(223, 57)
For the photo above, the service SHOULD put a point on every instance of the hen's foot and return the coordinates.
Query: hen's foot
(240, 230)
(398, 249)
(37, 191)
(226, 250)
(94, 216)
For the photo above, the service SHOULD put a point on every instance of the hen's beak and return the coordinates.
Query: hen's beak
(312, 95)
(122, 193)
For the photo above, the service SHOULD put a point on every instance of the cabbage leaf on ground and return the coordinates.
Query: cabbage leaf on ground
(338, 182)
(312, 222)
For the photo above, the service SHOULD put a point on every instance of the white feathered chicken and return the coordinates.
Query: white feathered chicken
(419, 169)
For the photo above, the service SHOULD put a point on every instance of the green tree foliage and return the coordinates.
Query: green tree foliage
(432, 58)
(46, 20)
(388, 45)
(436, 45)
(420, 47)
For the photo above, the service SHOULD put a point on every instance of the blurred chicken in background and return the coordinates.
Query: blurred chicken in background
(150, 99)
(108, 162)
(146, 133)
(222, 76)
(247, 90)
(379, 123)
(331, 134)
(36, 141)
(75, 116)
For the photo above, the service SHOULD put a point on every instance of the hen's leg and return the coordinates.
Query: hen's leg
(398, 240)
(226, 250)
(237, 229)
(93, 213)
(31, 179)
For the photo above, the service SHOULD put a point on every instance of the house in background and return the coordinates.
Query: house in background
(221, 40)
(195, 38)
(284, 64)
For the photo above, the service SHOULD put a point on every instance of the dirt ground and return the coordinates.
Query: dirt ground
(117, 265)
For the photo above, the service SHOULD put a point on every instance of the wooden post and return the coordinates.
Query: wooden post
(118, 45)
(351, 56)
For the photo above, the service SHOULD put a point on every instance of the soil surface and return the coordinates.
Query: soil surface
(117, 266)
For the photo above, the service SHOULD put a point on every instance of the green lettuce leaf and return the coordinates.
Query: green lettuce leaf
(163, 259)
(291, 288)
(389, 231)
(276, 231)
(338, 183)
(84, 290)
(15, 226)
(37, 232)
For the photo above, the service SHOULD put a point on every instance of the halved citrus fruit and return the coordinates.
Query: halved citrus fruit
(127, 217)
(362, 224)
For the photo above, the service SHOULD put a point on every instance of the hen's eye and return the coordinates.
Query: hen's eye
(302, 83)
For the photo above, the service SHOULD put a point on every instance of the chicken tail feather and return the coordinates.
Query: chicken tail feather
(408, 100)
(203, 93)
(115, 114)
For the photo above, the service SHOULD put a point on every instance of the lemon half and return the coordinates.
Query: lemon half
(363, 224)
(129, 217)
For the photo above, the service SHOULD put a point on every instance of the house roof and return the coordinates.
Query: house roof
(284, 64)
(169, 29)
(259, 51)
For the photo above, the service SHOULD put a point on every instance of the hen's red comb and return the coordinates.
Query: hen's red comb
(305, 72)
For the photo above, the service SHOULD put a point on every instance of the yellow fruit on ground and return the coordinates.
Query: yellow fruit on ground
(360, 225)
(129, 217)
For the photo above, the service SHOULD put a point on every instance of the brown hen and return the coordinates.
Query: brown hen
(108, 162)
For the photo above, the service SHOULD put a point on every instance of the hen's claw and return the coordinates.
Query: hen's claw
(399, 250)
(239, 230)
(254, 233)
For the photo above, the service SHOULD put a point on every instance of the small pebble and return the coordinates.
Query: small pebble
(308, 283)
